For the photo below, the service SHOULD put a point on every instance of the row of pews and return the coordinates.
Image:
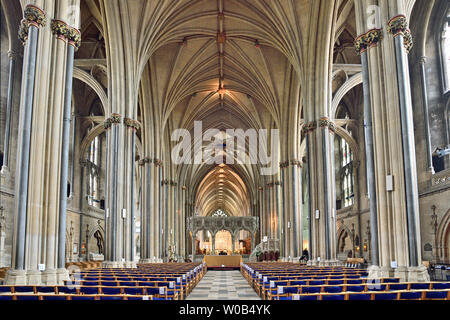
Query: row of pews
(290, 281)
(162, 281)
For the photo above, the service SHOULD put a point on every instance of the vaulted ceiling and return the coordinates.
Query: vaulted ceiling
(227, 63)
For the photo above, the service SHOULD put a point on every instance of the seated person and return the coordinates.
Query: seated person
(305, 255)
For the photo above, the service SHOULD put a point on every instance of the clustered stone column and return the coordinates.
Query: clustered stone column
(38, 252)
(292, 220)
(151, 222)
(395, 239)
(120, 201)
(362, 44)
(146, 205)
(322, 217)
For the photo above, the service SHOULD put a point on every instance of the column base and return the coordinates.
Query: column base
(5, 176)
(330, 263)
(16, 278)
(402, 273)
(312, 263)
(377, 272)
(418, 274)
(49, 277)
(112, 264)
(145, 261)
(130, 264)
(119, 264)
(62, 275)
(4, 172)
(34, 278)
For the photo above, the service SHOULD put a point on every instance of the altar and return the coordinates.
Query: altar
(227, 262)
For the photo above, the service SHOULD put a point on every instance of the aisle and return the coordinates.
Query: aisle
(223, 285)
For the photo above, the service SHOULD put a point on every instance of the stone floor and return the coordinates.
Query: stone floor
(223, 285)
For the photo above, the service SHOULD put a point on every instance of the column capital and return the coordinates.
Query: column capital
(408, 40)
(74, 37)
(309, 128)
(296, 162)
(292, 162)
(114, 119)
(398, 26)
(13, 55)
(65, 32)
(173, 183)
(84, 163)
(368, 40)
(325, 122)
(33, 16)
(60, 29)
(284, 164)
(130, 123)
(143, 161)
(157, 162)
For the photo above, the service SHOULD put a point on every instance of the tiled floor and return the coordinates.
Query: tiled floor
(223, 285)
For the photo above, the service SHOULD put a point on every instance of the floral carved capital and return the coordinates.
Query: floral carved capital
(114, 119)
(130, 123)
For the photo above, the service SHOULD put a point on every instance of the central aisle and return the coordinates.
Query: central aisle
(223, 285)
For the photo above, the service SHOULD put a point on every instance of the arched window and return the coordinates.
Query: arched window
(94, 170)
(219, 213)
(445, 53)
(344, 165)
(346, 173)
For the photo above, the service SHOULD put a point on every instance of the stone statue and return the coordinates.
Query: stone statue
(99, 237)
